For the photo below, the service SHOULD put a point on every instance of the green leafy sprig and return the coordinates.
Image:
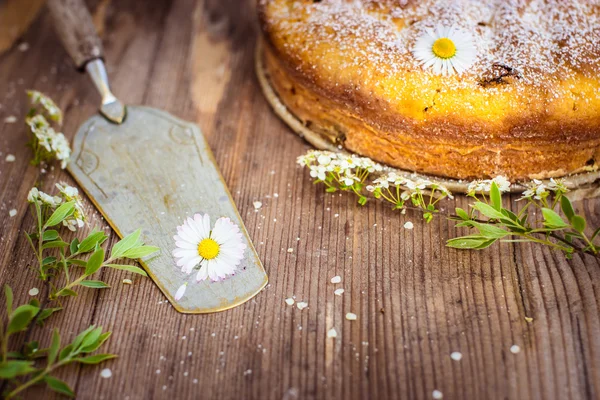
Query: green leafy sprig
(19, 368)
(55, 256)
(63, 266)
(492, 222)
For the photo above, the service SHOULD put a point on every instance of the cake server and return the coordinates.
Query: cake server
(144, 168)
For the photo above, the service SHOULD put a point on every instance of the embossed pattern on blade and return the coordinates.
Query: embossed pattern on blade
(152, 172)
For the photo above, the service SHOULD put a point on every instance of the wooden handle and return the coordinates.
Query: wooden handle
(76, 30)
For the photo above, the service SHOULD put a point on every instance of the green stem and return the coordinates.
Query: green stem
(37, 378)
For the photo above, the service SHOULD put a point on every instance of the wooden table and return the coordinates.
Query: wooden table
(416, 300)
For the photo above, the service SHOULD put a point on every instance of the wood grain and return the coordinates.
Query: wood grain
(416, 300)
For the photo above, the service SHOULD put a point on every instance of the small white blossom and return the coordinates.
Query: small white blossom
(557, 185)
(54, 144)
(50, 108)
(33, 195)
(78, 218)
(484, 186)
(47, 200)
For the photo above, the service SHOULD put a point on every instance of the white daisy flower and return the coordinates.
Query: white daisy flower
(446, 50)
(218, 251)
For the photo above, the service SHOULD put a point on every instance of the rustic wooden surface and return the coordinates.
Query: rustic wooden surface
(416, 300)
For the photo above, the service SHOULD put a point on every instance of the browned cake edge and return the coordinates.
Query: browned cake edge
(585, 182)
(442, 155)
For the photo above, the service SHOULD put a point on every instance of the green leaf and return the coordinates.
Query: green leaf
(552, 219)
(486, 244)
(13, 368)
(490, 231)
(79, 339)
(487, 210)
(462, 214)
(95, 359)
(331, 190)
(62, 212)
(596, 232)
(567, 207)
(58, 386)
(125, 244)
(65, 352)
(578, 223)
(139, 252)
(94, 284)
(496, 197)
(74, 247)
(54, 347)
(91, 338)
(510, 215)
(467, 242)
(15, 354)
(66, 292)
(8, 294)
(91, 241)
(129, 268)
(21, 318)
(48, 260)
(95, 262)
(54, 244)
(362, 200)
(94, 346)
(46, 313)
(75, 261)
(50, 235)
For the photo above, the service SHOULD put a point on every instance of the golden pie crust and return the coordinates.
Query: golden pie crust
(346, 71)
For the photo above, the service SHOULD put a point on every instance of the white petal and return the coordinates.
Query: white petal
(202, 274)
(186, 245)
(188, 267)
(180, 292)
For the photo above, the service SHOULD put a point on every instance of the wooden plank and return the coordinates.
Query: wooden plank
(416, 300)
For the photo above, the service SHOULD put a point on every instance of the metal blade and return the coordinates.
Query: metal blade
(151, 172)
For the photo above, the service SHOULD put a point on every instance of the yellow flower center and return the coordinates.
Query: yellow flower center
(208, 249)
(444, 48)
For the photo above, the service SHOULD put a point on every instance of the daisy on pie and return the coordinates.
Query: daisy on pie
(446, 50)
(217, 252)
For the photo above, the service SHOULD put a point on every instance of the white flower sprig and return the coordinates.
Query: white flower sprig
(47, 144)
(486, 215)
(68, 194)
(340, 171)
(423, 194)
(351, 173)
